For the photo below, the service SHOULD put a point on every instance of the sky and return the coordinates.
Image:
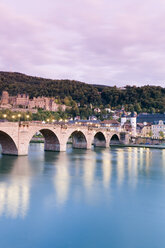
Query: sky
(109, 42)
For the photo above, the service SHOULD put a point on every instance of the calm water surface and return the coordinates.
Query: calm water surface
(83, 199)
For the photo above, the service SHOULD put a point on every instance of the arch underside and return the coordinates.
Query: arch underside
(7, 144)
(99, 140)
(115, 140)
(78, 140)
(51, 141)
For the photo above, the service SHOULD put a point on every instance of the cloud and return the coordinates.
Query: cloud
(96, 41)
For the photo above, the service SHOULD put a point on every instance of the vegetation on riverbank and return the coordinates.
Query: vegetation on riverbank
(141, 99)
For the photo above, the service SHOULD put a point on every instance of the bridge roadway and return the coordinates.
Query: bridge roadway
(16, 136)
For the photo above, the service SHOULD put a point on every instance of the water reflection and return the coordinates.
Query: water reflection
(120, 166)
(148, 158)
(61, 179)
(134, 166)
(89, 170)
(71, 172)
(107, 168)
(15, 190)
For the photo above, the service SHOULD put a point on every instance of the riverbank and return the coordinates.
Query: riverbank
(37, 140)
(41, 140)
(141, 146)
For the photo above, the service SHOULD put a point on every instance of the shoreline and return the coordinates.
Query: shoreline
(115, 145)
(140, 146)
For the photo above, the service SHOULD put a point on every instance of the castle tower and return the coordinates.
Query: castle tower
(5, 98)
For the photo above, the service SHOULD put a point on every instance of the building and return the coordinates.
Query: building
(97, 110)
(5, 98)
(150, 118)
(23, 101)
(128, 122)
(93, 118)
(144, 129)
(112, 124)
(158, 129)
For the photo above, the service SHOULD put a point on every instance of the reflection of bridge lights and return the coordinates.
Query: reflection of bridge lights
(89, 171)
(120, 166)
(61, 183)
(107, 169)
(148, 156)
(14, 198)
(129, 161)
(15, 193)
(163, 159)
(133, 165)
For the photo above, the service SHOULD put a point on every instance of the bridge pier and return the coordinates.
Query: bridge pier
(51, 147)
(99, 140)
(79, 145)
(62, 147)
(100, 143)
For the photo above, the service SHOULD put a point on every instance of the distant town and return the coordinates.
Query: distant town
(21, 107)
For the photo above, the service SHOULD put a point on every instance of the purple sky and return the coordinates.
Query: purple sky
(95, 41)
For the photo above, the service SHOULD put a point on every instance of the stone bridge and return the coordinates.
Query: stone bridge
(16, 136)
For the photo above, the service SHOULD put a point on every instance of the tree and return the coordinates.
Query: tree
(161, 135)
(150, 133)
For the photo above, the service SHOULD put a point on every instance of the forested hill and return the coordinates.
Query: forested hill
(146, 98)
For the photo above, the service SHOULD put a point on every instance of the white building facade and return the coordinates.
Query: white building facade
(132, 118)
(158, 129)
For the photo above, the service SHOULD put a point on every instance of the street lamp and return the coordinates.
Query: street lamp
(47, 120)
(4, 116)
(27, 116)
(13, 117)
(19, 115)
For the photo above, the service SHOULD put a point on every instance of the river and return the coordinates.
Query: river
(98, 198)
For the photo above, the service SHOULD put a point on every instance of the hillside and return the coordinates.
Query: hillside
(146, 98)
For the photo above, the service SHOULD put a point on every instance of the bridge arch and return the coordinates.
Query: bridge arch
(8, 144)
(115, 139)
(99, 139)
(51, 140)
(78, 139)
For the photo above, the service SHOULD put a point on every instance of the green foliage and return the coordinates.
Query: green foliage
(141, 99)
(15, 116)
(150, 133)
(161, 134)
